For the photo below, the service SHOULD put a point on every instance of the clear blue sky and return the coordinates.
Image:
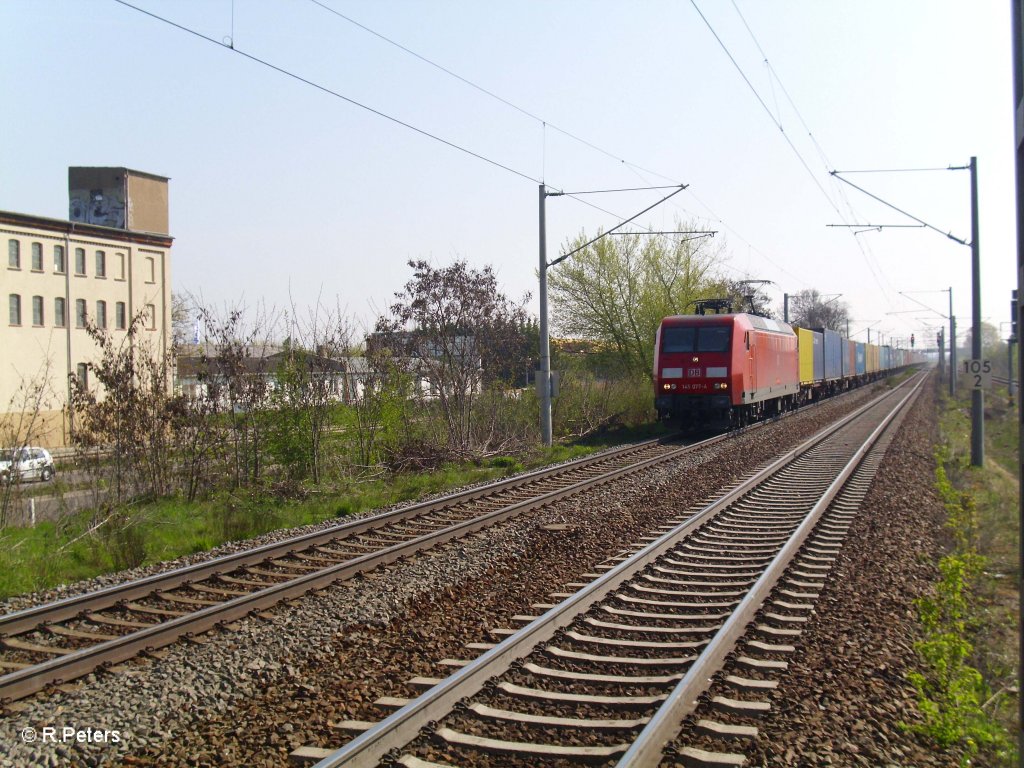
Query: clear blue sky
(278, 189)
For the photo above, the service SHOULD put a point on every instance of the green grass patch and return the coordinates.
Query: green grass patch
(87, 544)
(967, 681)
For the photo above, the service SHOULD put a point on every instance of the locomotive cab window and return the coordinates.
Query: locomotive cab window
(709, 338)
(714, 338)
(678, 339)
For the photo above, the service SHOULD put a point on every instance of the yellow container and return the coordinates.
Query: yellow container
(811, 359)
(871, 358)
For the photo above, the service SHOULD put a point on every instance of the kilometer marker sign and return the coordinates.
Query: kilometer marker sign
(979, 373)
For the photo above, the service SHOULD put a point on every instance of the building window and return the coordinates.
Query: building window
(150, 269)
(59, 312)
(13, 254)
(120, 316)
(79, 261)
(101, 314)
(151, 317)
(83, 375)
(14, 304)
(101, 264)
(37, 311)
(80, 313)
(37, 257)
(119, 258)
(58, 259)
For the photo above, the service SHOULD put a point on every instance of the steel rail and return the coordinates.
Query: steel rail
(23, 682)
(26, 620)
(648, 747)
(403, 726)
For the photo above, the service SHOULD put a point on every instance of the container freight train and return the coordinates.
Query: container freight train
(728, 370)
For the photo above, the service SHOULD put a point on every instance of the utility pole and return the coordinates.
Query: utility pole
(977, 394)
(544, 377)
(1009, 344)
(952, 356)
(785, 307)
(544, 374)
(1017, 64)
(952, 346)
(942, 352)
(1009, 368)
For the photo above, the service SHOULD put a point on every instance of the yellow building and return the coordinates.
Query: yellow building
(109, 262)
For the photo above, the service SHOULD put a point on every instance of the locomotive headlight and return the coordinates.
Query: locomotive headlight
(721, 385)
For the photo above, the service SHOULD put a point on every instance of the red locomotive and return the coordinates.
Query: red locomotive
(724, 370)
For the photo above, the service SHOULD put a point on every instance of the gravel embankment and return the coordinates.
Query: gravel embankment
(251, 695)
(846, 698)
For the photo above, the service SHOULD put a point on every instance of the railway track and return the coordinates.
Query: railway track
(666, 655)
(60, 641)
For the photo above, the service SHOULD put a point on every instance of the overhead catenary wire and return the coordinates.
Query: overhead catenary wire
(922, 222)
(522, 110)
(766, 108)
(331, 92)
(590, 242)
(876, 271)
(635, 168)
(902, 170)
(545, 124)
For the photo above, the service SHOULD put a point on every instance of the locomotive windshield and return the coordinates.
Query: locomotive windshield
(707, 338)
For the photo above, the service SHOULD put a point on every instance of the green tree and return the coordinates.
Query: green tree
(617, 290)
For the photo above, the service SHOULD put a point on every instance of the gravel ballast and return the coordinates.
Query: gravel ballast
(847, 698)
(251, 695)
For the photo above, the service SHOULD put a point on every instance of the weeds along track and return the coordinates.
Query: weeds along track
(60, 641)
(664, 657)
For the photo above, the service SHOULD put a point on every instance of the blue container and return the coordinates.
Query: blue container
(860, 359)
(849, 358)
(885, 358)
(832, 354)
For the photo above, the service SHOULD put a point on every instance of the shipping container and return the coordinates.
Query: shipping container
(871, 358)
(832, 354)
(860, 360)
(849, 358)
(812, 359)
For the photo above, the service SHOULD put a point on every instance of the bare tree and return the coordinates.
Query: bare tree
(184, 317)
(314, 377)
(456, 330)
(20, 427)
(809, 309)
(234, 364)
(122, 408)
(747, 296)
(380, 406)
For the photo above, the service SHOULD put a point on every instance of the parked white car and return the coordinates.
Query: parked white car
(17, 464)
